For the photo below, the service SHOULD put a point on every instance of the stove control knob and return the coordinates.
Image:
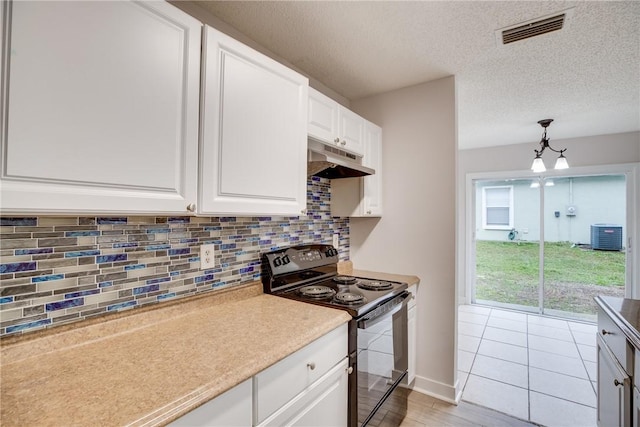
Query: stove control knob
(285, 260)
(331, 252)
(277, 262)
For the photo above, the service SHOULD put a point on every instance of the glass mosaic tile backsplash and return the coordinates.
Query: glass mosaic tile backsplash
(55, 270)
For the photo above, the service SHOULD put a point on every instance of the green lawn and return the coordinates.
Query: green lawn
(507, 272)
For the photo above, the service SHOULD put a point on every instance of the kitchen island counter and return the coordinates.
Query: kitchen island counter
(150, 366)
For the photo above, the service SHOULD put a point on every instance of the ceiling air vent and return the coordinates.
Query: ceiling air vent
(534, 28)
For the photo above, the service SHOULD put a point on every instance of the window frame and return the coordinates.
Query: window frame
(486, 226)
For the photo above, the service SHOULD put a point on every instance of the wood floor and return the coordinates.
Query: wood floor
(426, 411)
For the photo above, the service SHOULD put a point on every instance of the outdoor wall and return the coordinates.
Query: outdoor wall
(416, 234)
(597, 200)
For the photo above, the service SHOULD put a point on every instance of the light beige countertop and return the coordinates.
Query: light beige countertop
(410, 280)
(149, 366)
(346, 267)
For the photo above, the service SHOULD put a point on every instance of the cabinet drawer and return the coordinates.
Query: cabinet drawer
(278, 384)
(616, 341)
(322, 404)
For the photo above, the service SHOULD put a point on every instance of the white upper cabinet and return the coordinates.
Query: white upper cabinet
(323, 117)
(334, 124)
(101, 107)
(254, 132)
(372, 184)
(361, 197)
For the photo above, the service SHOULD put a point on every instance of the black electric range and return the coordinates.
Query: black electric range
(377, 341)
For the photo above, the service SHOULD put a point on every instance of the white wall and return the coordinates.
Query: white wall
(593, 154)
(416, 234)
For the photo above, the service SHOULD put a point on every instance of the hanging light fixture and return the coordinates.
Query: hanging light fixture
(538, 165)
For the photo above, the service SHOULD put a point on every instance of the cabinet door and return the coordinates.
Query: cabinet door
(102, 107)
(351, 131)
(323, 117)
(372, 184)
(614, 390)
(254, 132)
(230, 409)
(324, 403)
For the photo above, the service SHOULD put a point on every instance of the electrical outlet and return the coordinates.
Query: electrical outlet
(336, 240)
(207, 259)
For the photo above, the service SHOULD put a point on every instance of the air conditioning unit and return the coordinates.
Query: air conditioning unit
(606, 237)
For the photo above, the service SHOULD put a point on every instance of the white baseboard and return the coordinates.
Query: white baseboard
(442, 391)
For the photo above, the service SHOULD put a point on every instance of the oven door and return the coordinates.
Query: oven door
(382, 361)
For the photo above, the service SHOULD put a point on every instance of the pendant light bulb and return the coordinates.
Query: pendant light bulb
(538, 165)
(562, 163)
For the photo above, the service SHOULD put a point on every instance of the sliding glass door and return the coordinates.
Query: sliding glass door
(549, 245)
(507, 247)
(584, 234)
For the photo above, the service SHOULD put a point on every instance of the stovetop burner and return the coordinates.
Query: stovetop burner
(349, 298)
(316, 291)
(344, 280)
(375, 285)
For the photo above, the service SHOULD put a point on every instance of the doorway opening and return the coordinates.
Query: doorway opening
(549, 245)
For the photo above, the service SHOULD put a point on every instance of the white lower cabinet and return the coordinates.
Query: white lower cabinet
(614, 390)
(412, 333)
(230, 409)
(324, 403)
(307, 388)
(636, 407)
(290, 379)
(100, 104)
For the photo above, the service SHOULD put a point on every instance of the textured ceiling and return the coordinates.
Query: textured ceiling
(586, 77)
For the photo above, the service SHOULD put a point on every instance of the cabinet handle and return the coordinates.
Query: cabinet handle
(337, 140)
(605, 332)
(350, 370)
(191, 207)
(617, 383)
(368, 212)
(343, 142)
(311, 365)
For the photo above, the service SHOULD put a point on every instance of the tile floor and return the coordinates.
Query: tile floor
(535, 368)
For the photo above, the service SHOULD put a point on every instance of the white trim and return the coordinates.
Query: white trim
(436, 389)
(541, 250)
(484, 208)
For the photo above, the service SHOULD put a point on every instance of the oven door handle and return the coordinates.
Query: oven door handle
(370, 321)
